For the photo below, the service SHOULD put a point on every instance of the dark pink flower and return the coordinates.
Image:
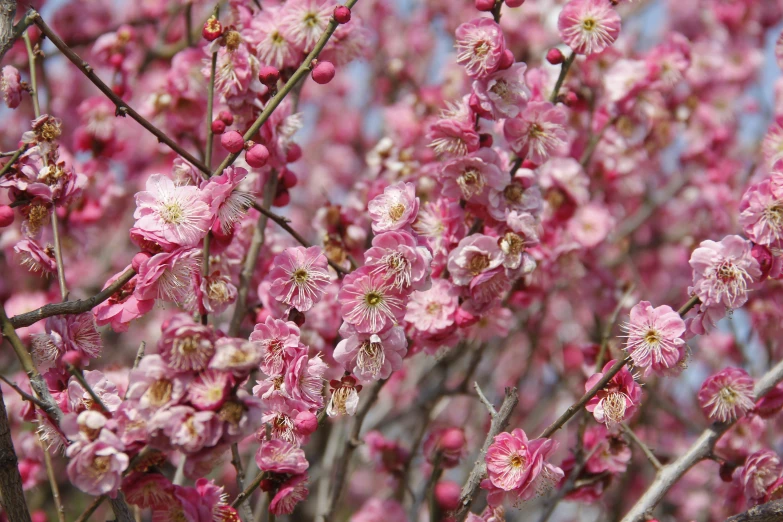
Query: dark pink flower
(480, 45)
(369, 302)
(503, 93)
(290, 493)
(475, 255)
(10, 86)
(760, 471)
(588, 26)
(279, 456)
(397, 256)
(278, 343)
(538, 132)
(299, 277)
(727, 395)
(723, 271)
(618, 400)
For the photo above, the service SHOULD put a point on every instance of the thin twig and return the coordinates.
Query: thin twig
(769, 512)
(599, 362)
(561, 78)
(92, 508)
(79, 376)
(18, 154)
(72, 307)
(499, 423)
(23, 394)
(139, 354)
(642, 446)
(122, 108)
(248, 490)
(58, 256)
(11, 491)
(244, 509)
(53, 483)
(484, 400)
(33, 81)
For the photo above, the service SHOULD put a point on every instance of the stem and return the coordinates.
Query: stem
(499, 423)
(188, 13)
(122, 511)
(91, 509)
(72, 307)
(561, 78)
(243, 508)
(251, 259)
(23, 394)
(484, 400)
(340, 470)
(53, 483)
(670, 474)
(77, 373)
(599, 362)
(211, 104)
(769, 512)
(11, 490)
(437, 471)
(298, 75)
(33, 80)
(58, 256)
(7, 33)
(205, 267)
(642, 446)
(123, 109)
(13, 159)
(248, 490)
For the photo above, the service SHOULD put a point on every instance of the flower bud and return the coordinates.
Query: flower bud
(232, 141)
(257, 156)
(485, 140)
(323, 72)
(282, 199)
(226, 117)
(6, 216)
(269, 75)
(116, 60)
(139, 259)
(212, 29)
(294, 153)
(529, 165)
(306, 423)
(452, 440)
(506, 60)
(514, 3)
(447, 494)
(570, 99)
(764, 256)
(342, 14)
(72, 358)
(485, 5)
(288, 179)
(218, 127)
(554, 56)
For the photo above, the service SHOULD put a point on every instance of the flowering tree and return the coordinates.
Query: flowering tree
(500, 260)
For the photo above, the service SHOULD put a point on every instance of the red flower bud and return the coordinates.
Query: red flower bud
(554, 56)
(485, 5)
(139, 259)
(226, 117)
(306, 423)
(452, 439)
(288, 179)
(6, 216)
(485, 140)
(323, 72)
(269, 75)
(447, 494)
(218, 127)
(342, 14)
(282, 199)
(294, 153)
(257, 156)
(514, 3)
(212, 29)
(232, 141)
(72, 358)
(506, 60)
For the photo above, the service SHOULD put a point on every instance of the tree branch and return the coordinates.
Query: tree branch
(499, 423)
(11, 491)
(670, 474)
(769, 512)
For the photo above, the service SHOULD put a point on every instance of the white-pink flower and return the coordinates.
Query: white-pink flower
(395, 209)
(538, 132)
(299, 277)
(588, 26)
(475, 255)
(655, 338)
(723, 271)
(371, 356)
(369, 302)
(480, 45)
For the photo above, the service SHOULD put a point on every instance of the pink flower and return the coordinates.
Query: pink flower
(186, 345)
(433, 310)
(45, 180)
(504, 93)
(226, 200)
(278, 343)
(371, 357)
(34, 258)
(216, 292)
(538, 132)
(590, 225)
(169, 276)
(606, 453)
(236, 355)
(304, 380)
(268, 35)
(345, 397)
(210, 390)
(187, 429)
(655, 338)
(473, 176)
(96, 467)
(67, 333)
(475, 255)
(514, 463)
(10, 86)
(588, 26)
(290, 493)
(762, 214)
(453, 135)
(171, 216)
(299, 277)
(154, 385)
(618, 400)
(397, 256)
(279, 456)
(79, 399)
(306, 20)
(727, 395)
(395, 209)
(760, 471)
(480, 45)
(369, 302)
(122, 307)
(722, 271)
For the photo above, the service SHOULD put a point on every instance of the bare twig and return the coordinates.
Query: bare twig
(33, 82)
(58, 256)
(7, 33)
(14, 158)
(599, 362)
(561, 78)
(122, 511)
(23, 394)
(243, 507)
(11, 491)
(139, 354)
(123, 109)
(642, 446)
(79, 376)
(484, 400)
(340, 471)
(670, 474)
(499, 423)
(53, 483)
(248, 490)
(96, 503)
(72, 307)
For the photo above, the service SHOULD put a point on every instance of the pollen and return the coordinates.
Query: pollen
(373, 298)
(396, 211)
(172, 213)
(478, 263)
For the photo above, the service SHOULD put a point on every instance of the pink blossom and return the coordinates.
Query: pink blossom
(762, 214)
(304, 380)
(378, 510)
(278, 344)
(154, 385)
(618, 400)
(655, 338)
(279, 456)
(371, 356)
(722, 271)
(453, 135)
(169, 276)
(760, 471)
(186, 345)
(290, 493)
(122, 307)
(606, 452)
(226, 199)
(538, 132)
(588, 26)
(513, 462)
(306, 20)
(397, 256)
(96, 467)
(269, 36)
(345, 397)
(475, 255)
(503, 93)
(236, 355)
(210, 390)
(473, 176)
(727, 395)
(369, 303)
(480, 45)
(65, 333)
(36, 259)
(299, 277)
(171, 216)
(187, 429)
(590, 225)
(395, 209)
(79, 399)
(10, 86)
(433, 310)
(216, 292)
(44, 180)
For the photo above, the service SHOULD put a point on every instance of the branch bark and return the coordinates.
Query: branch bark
(769, 512)
(11, 490)
(7, 14)
(670, 474)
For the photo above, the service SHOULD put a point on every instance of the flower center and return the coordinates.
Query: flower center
(433, 308)
(588, 24)
(652, 337)
(471, 182)
(481, 48)
(513, 192)
(371, 356)
(172, 213)
(373, 298)
(396, 211)
(614, 406)
(231, 412)
(300, 276)
(159, 393)
(517, 461)
(478, 263)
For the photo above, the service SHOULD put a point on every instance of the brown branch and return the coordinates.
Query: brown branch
(769, 512)
(7, 33)
(642, 446)
(11, 491)
(248, 490)
(340, 470)
(59, 508)
(72, 307)
(91, 509)
(499, 423)
(121, 509)
(123, 109)
(23, 394)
